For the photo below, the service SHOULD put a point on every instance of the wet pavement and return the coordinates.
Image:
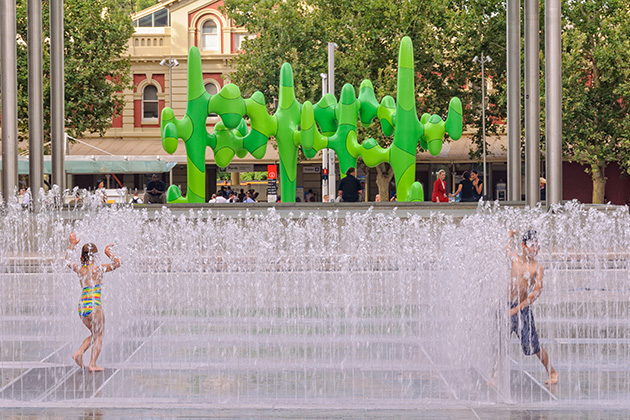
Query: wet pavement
(190, 381)
(243, 342)
(495, 413)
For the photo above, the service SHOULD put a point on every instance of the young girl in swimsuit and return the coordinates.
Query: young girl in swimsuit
(90, 310)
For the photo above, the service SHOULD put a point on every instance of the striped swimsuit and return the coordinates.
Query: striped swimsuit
(90, 300)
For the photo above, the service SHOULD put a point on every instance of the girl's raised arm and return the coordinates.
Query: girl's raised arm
(116, 262)
(73, 242)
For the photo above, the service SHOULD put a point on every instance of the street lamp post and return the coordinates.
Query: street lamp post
(325, 191)
(483, 60)
(332, 167)
(170, 63)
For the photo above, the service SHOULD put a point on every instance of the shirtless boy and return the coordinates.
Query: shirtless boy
(527, 274)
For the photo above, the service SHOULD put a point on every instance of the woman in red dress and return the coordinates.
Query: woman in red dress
(439, 188)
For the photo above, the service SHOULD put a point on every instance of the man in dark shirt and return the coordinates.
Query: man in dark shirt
(350, 187)
(155, 191)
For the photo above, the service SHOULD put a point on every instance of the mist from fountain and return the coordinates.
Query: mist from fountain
(356, 310)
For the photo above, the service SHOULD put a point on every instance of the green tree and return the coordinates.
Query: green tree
(143, 4)
(96, 70)
(596, 86)
(446, 37)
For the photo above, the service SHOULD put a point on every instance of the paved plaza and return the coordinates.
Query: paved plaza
(334, 336)
(171, 366)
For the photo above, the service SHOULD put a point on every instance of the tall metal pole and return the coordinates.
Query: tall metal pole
(553, 99)
(332, 167)
(325, 189)
(8, 52)
(57, 106)
(532, 103)
(170, 63)
(483, 118)
(514, 98)
(35, 99)
(170, 82)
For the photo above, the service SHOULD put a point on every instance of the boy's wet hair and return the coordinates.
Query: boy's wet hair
(530, 236)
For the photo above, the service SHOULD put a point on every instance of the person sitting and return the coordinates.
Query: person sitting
(249, 198)
(135, 199)
(155, 191)
(101, 194)
(439, 188)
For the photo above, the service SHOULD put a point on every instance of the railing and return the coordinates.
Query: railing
(150, 43)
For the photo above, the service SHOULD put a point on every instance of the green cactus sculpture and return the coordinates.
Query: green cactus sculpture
(294, 125)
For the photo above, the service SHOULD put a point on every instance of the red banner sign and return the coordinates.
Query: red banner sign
(272, 171)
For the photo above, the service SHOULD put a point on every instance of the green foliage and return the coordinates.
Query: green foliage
(253, 176)
(446, 37)
(596, 82)
(144, 4)
(245, 176)
(96, 36)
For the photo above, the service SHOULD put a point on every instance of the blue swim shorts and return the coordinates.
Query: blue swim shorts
(523, 325)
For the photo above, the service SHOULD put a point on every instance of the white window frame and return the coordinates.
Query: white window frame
(217, 35)
(156, 101)
(239, 37)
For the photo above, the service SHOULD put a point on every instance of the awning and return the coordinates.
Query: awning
(459, 151)
(103, 155)
(89, 164)
(102, 146)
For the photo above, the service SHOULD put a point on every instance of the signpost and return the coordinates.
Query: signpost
(272, 187)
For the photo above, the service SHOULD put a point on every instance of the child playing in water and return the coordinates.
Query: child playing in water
(90, 310)
(526, 275)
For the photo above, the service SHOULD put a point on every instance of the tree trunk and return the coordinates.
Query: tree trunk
(599, 181)
(384, 174)
(364, 168)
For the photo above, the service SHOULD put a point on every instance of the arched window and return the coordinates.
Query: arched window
(209, 36)
(150, 104)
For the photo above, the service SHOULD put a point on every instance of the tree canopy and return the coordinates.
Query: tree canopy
(446, 37)
(96, 71)
(596, 86)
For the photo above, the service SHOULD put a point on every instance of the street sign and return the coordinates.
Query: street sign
(236, 168)
(272, 171)
(272, 189)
